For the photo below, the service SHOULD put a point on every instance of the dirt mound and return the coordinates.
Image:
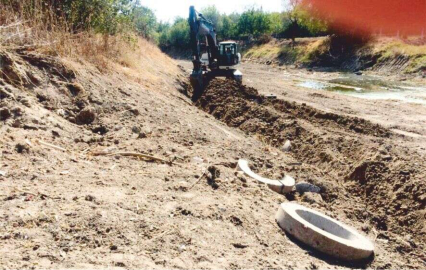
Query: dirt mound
(278, 120)
(64, 206)
(353, 155)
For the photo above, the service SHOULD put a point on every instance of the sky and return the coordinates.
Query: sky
(168, 10)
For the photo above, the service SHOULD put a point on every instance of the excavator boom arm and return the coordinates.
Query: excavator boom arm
(202, 28)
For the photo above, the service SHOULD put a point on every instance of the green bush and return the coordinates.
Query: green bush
(176, 36)
(144, 21)
(101, 16)
(254, 22)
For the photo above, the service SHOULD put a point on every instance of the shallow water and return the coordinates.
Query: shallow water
(370, 87)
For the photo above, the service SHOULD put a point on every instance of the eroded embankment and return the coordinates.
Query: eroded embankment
(382, 55)
(353, 157)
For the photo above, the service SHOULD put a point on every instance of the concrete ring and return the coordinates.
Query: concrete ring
(281, 186)
(323, 233)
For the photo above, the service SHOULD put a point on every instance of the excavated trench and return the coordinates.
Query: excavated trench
(350, 155)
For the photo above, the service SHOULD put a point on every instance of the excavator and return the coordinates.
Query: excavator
(210, 58)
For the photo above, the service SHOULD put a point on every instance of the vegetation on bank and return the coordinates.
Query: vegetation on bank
(252, 24)
(101, 16)
(379, 53)
(112, 17)
(103, 32)
(397, 49)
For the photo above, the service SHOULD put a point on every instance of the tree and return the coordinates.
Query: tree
(144, 21)
(253, 22)
(277, 25)
(229, 26)
(300, 20)
(228, 29)
(108, 17)
(212, 14)
(178, 34)
(293, 17)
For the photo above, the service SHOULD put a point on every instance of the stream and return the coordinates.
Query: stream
(369, 87)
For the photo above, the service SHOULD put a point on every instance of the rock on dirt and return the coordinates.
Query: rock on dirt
(287, 146)
(133, 110)
(213, 176)
(307, 187)
(22, 148)
(86, 116)
(136, 129)
(90, 198)
(5, 114)
(75, 89)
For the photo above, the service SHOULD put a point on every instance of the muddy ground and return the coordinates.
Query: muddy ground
(68, 207)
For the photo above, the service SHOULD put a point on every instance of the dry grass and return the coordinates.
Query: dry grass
(40, 27)
(284, 49)
(143, 62)
(45, 33)
(266, 51)
(397, 46)
(58, 40)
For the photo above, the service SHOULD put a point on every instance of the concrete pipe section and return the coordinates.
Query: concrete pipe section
(281, 186)
(323, 233)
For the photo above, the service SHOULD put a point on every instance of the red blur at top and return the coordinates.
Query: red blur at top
(406, 17)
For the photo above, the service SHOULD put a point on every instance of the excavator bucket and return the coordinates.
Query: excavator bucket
(197, 83)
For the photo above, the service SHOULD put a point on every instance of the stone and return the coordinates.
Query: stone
(182, 248)
(90, 198)
(75, 89)
(55, 133)
(134, 111)
(136, 129)
(86, 116)
(21, 148)
(287, 146)
(403, 172)
(142, 135)
(5, 114)
(240, 176)
(307, 187)
(386, 158)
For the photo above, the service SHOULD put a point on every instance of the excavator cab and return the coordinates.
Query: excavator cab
(229, 55)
